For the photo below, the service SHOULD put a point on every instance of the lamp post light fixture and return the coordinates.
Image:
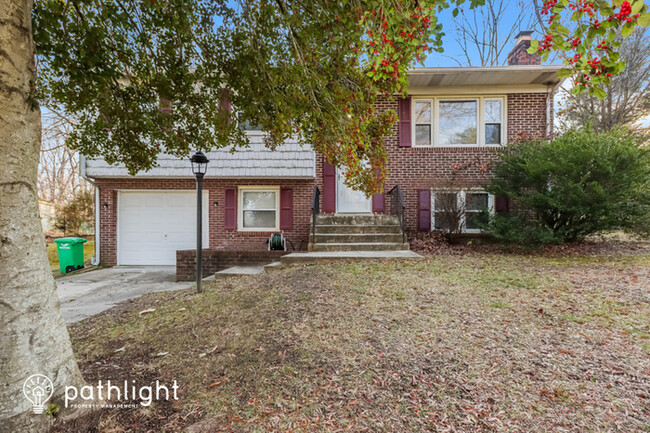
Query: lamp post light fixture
(199, 167)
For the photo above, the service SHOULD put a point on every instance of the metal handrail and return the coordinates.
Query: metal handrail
(397, 207)
(315, 210)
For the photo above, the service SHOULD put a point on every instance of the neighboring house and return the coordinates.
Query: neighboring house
(47, 211)
(452, 116)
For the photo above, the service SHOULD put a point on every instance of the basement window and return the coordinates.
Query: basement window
(458, 212)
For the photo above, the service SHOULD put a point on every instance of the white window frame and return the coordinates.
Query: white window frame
(480, 136)
(414, 123)
(461, 197)
(240, 208)
(502, 123)
(479, 106)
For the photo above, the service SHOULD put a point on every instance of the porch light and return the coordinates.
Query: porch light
(199, 164)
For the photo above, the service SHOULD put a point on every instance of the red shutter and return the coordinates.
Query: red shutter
(230, 217)
(286, 208)
(404, 116)
(378, 203)
(501, 204)
(329, 187)
(424, 210)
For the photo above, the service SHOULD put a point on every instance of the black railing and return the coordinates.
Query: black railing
(397, 207)
(315, 210)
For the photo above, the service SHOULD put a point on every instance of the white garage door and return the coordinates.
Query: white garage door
(153, 225)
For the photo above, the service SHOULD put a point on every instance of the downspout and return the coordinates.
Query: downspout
(552, 89)
(549, 98)
(95, 260)
(83, 173)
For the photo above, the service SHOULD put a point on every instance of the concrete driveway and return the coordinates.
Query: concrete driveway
(91, 293)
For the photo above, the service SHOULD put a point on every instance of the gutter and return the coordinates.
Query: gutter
(84, 174)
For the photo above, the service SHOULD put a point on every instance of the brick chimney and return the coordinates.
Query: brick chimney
(519, 55)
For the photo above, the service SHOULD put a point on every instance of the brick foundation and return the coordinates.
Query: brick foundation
(214, 260)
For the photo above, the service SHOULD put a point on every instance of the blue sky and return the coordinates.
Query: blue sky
(453, 49)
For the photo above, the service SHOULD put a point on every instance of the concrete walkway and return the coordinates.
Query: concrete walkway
(90, 293)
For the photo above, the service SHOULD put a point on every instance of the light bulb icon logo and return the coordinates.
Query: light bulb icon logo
(38, 389)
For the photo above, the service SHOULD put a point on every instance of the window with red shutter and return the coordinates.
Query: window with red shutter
(501, 204)
(329, 188)
(286, 208)
(378, 203)
(404, 116)
(230, 207)
(424, 210)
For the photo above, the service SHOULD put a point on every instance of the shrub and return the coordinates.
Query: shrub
(76, 214)
(577, 185)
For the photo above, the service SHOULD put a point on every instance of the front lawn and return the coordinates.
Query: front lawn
(471, 343)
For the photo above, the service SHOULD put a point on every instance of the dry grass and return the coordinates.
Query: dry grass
(472, 343)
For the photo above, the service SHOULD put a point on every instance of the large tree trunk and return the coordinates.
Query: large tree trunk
(33, 335)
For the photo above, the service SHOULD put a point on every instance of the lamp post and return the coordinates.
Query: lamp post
(199, 167)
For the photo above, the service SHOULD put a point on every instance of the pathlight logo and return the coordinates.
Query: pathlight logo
(38, 389)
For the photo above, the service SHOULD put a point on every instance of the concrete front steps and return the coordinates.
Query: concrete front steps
(316, 257)
(357, 233)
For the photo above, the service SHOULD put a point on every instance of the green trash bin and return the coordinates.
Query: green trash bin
(71, 253)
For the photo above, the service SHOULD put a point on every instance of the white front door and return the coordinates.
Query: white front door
(152, 225)
(349, 200)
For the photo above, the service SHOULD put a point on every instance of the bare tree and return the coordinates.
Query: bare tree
(628, 95)
(485, 34)
(453, 204)
(58, 171)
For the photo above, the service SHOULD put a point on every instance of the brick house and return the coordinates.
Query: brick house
(453, 117)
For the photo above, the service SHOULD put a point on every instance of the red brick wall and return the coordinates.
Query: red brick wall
(423, 168)
(215, 260)
(220, 238)
(519, 55)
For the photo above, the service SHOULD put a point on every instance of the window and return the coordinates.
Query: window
(475, 203)
(247, 126)
(492, 118)
(258, 209)
(458, 212)
(423, 123)
(457, 123)
(445, 211)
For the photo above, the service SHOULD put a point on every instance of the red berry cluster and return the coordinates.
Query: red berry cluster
(546, 43)
(417, 30)
(625, 13)
(626, 10)
(547, 6)
(583, 6)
